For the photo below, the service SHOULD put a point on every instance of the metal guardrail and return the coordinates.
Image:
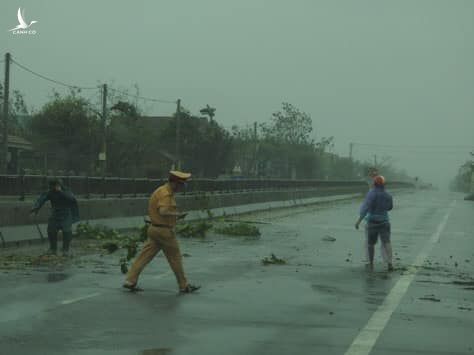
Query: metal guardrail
(84, 186)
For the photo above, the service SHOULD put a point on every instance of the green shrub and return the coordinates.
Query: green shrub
(239, 229)
(189, 230)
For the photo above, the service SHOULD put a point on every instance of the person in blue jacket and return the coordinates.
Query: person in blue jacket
(65, 212)
(375, 211)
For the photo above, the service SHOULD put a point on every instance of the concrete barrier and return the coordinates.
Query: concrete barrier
(18, 225)
(13, 213)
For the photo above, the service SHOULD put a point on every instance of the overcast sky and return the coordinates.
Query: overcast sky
(398, 72)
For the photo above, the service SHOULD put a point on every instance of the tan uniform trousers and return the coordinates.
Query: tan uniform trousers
(159, 238)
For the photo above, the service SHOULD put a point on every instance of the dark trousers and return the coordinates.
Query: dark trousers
(53, 228)
(376, 230)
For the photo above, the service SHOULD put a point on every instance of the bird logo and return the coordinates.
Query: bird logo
(22, 23)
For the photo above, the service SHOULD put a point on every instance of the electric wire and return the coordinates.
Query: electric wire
(142, 97)
(53, 80)
(58, 82)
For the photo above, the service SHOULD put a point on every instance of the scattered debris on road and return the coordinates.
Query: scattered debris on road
(193, 230)
(469, 197)
(238, 229)
(18, 261)
(273, 260)
(110, 247)
(431, 298)
(112, 240)
(328, 238)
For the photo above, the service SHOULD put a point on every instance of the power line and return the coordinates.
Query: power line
(52, 80)
(407, 152)
(88, 88)
(142, 97)
(434, 150)
(415, 146)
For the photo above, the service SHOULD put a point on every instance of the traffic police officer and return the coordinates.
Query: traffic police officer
(161, 234)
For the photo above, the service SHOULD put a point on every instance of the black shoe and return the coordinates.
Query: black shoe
(131, 287)
(390, 267)
(189, 289)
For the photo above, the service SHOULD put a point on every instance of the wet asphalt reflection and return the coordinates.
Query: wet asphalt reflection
(319, 300)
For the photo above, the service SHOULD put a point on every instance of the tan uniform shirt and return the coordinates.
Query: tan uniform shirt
(163, 197)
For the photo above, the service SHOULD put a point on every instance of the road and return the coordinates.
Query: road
(322, 301)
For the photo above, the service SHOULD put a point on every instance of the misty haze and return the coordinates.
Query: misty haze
(246, 177)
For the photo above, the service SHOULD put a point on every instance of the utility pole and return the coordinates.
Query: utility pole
(178, 135)
(256, 148)
(472, 178)
(103, 153)
(471, 190)
(6, 92)
(351, 161)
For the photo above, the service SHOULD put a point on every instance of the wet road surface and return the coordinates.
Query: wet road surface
(322, 301)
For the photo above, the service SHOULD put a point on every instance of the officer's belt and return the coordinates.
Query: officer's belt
(160, 225)
(147, 221)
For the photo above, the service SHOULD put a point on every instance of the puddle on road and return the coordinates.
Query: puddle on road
(162, 351)
(56, 277)
(375, 297)
(469, 285)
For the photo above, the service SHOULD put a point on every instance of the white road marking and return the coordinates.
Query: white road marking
(366, 339)
(80, 298)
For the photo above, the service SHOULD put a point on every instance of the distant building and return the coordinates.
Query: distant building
(17, 148)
